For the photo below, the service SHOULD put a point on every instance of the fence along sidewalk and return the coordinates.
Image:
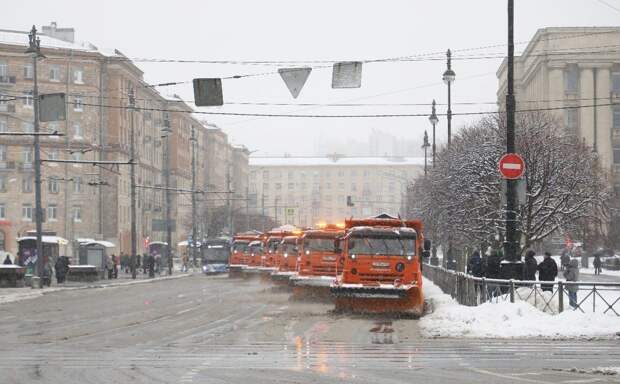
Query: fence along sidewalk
(472, 291)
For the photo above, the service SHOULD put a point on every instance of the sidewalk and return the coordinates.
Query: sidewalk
(9, 295)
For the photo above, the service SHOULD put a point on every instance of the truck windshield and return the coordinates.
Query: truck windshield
(272, 244)
(321, 245)
(289, 249)
(383, 245)
(240, 247)
(256, 249)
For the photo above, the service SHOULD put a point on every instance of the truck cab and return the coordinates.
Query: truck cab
(319, 255)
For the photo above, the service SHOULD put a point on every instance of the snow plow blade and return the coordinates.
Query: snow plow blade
(235, 271)
(379, 300)
(282, 278)
(311, 288)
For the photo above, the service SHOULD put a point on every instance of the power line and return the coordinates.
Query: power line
(609, 5)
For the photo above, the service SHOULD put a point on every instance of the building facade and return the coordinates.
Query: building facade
(306, 190)
(82, 200)
(575, 74)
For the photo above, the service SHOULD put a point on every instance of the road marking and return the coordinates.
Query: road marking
(485, 372)
(186, 310)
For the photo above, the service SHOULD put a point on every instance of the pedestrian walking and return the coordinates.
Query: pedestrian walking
(493, 266)
(598, 264)
(46, 279)
(547, 271)
(7, 260)
(530, 267)
(115, 266)
(474, 266)
(151, 266)
(109, 267)
(572, 274)
(60, 269)
(564, 258)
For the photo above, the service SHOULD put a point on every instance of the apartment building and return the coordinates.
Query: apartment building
(82, 200)
(574, 67)
(306, 190)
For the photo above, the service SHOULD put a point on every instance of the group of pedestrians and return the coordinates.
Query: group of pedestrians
(547, 270)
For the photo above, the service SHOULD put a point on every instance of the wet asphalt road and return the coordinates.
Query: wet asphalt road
(217, 330)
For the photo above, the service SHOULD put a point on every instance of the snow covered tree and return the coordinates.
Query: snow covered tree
(461, 197)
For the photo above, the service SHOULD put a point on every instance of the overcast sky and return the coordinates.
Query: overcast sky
(316, 30)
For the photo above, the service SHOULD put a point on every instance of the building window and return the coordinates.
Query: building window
(27, 212)
(278, 186)
(52, 185)
(291, 175)
(52, 212)
(27, 127)
(615, 82)
(77, 214)
(391, 186)
(617, 155)
(78, 105)
(54, 73)
(4, 125)
(52, 154)
(4, 70)
(353, 187)
(27, 155)
(27, 99)
(28, 72)
(328, 185)
(353, 172)
(3, 152)
(77, 184)
(616, 118)
(78, 75)
(265, 175)
(265, 186)
(3, 183)
(2, 212)
(571, 120)
(27, 184)
(341, 186)
(77, 130)
(571, 78)
(291, 186)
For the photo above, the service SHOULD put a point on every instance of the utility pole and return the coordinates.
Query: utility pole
(247, 208)
(512, 269)
(166, 163)
(132, 154)
(194, 240)
(262, 204)
(425, 145)
(448, 78)
(229, 200)
(34, 49)
(434, 120)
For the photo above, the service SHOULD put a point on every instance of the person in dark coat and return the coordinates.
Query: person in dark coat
(547, 271)
(597, 264)
(59, 267)
(151, 259)
(474, 267)
(530, 267)
(492, 270)
(565, 258)
(7, 260)
(572, 274)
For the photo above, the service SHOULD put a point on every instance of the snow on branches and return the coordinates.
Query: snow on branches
(461, 195)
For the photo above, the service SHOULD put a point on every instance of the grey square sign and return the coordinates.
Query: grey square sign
(208, 92)
(347, 74)
(52, 107)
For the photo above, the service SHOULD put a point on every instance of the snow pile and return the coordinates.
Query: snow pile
(509, 320)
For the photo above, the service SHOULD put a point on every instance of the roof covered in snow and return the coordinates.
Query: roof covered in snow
(334, 161)
(21, 38)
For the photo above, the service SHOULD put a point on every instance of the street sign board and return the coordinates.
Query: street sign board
(347, 74)
(521, 192)
(52, 107)
(290, 211)
(295, 78)
(208, 92)
(511, 166)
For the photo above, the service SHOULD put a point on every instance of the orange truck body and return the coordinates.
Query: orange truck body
(382, 266)
(287, 254)
(320, 259)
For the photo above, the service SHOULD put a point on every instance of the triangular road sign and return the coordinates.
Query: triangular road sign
(295, 78)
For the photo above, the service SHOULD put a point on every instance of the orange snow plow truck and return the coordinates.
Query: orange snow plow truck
(382, 266)
(240, 253)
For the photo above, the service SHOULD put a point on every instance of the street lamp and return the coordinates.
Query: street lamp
(448, 78)
(166, 131)
(434, 120)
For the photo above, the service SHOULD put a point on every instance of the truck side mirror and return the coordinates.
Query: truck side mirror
(427, 244)
(337, 246)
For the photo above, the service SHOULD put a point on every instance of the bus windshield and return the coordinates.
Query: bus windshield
(389, 245)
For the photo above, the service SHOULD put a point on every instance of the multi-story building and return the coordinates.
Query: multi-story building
(574, 67)
(81, 200)
(306, 190)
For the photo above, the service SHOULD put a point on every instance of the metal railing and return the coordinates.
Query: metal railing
(548, 296)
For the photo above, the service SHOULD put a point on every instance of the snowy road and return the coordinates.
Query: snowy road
(216, 330)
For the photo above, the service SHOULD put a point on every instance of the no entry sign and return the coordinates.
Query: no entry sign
(511, 166)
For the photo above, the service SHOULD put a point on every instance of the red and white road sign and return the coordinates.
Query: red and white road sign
(511, 166)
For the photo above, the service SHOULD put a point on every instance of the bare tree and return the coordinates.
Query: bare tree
(461, 197)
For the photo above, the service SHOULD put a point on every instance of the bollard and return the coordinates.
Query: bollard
(512, 291)
(560, 297)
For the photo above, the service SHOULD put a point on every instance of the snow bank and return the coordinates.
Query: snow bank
(509, 320)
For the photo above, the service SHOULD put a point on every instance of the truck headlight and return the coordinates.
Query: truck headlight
(409, 257)
(353, 256)
(307, 252)
(286, 255)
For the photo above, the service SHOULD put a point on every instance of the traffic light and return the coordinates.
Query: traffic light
(350, 202)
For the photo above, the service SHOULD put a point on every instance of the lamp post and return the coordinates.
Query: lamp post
(425, 145)
(166, 132)
(34, 50)
(448, 78)
(434, 120)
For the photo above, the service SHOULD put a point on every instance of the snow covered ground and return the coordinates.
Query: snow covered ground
(509, 320)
